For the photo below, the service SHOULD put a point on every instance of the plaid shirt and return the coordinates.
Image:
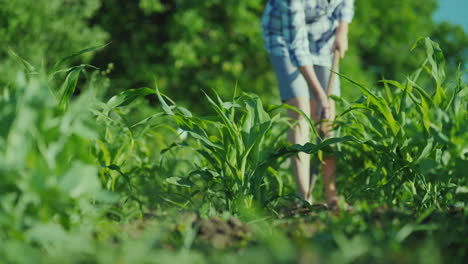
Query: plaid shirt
(304, 29)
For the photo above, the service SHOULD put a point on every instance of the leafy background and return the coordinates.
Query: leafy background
(188, 46)
(115, 153)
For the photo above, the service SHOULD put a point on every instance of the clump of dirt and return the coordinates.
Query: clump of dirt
(221, 234)
(300, 210)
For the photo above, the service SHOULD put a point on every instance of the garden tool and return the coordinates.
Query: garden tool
(323, 127)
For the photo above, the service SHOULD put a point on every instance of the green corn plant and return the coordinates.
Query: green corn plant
(242, 146)
(135, 155)
(232, 144)
(414, 133)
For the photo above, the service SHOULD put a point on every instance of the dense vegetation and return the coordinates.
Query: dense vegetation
(112, 165)
(193, 45)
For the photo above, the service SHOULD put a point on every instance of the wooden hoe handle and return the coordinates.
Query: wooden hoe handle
(331, 82)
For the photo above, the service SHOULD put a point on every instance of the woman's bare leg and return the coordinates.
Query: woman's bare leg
(329, 179)
(329, 165)
(300, 134)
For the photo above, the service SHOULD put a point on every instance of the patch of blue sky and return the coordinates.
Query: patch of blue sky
(453, 11)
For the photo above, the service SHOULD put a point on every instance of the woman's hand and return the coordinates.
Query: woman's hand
(323, 108)
(341, 39)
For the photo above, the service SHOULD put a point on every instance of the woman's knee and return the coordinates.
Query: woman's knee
(301, 130)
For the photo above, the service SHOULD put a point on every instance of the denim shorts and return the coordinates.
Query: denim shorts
(291, 82)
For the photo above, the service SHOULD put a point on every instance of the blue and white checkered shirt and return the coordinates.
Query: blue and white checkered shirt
(304, 30)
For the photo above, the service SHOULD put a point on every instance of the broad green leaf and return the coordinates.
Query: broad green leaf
(69, 86)
(57, 65)
(201, 135)
(71, 68)
(126, 97)
(147, 120)
(230, 125)
(212, 159)
(360, 86)
(255, 123)
(184, 111)
(28, 66)
(184, 182)
(387, 113)
(310, 148)
(423, 109)
(436, 60)
(383, 107)
(439, 95)
(394, 83)
(164, 105)
(424, 95)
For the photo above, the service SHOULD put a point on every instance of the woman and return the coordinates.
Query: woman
(301, 37)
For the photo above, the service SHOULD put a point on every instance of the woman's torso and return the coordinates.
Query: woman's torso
(316, 13)
(316, 9)
(320, 24)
